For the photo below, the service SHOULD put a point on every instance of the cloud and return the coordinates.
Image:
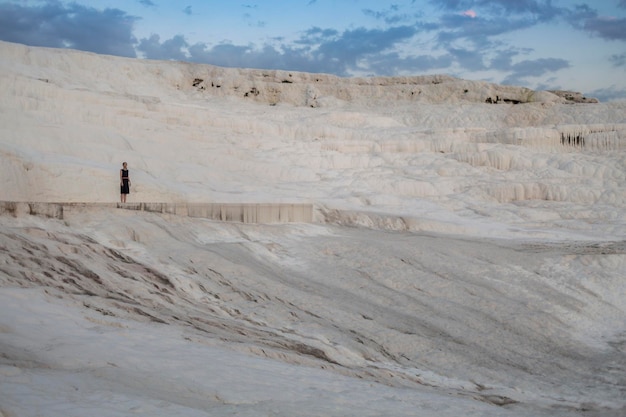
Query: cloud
(56, 25)
(583, 17)
(490, 18)
(541, 9)
(171, 49)
(608, 94)
(610, 28)
(538, 67)
(355, 44)
(469, 59)
(318, 50)
(391, 16)
(455, 27)
(317, 35)
(534, 68)
(503, 59)
(469, 13)
(618, 60)
(393, 64)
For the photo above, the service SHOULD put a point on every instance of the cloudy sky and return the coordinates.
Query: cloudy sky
(576, 45)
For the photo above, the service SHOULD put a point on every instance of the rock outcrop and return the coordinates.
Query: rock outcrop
(574, 97)
(323, 90)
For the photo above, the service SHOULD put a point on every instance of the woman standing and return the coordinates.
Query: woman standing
(124, 182)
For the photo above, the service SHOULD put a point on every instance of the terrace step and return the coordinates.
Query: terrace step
(228, 212)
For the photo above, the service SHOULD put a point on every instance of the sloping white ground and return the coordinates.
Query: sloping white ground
(136, 312)
(486, 277)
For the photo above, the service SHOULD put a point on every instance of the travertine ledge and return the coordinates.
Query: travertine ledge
(231, 212)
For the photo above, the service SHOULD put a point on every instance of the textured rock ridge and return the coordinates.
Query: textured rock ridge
(324, 90)
(574, 97)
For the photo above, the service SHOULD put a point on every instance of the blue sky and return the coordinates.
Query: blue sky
(576, 45)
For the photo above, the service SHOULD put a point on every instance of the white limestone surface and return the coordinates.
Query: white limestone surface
(465, 258)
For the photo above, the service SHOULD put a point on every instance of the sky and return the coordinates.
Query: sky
(577, 45)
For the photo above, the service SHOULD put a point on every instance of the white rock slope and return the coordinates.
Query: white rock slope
(466, 255)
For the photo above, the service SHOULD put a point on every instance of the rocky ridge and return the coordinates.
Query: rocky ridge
(574, 97)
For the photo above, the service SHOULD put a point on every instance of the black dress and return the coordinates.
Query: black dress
(124, 187)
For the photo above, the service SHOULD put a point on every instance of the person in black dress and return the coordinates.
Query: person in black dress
(124, 182)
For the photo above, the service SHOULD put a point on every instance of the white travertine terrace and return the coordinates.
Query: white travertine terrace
(305, 245)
